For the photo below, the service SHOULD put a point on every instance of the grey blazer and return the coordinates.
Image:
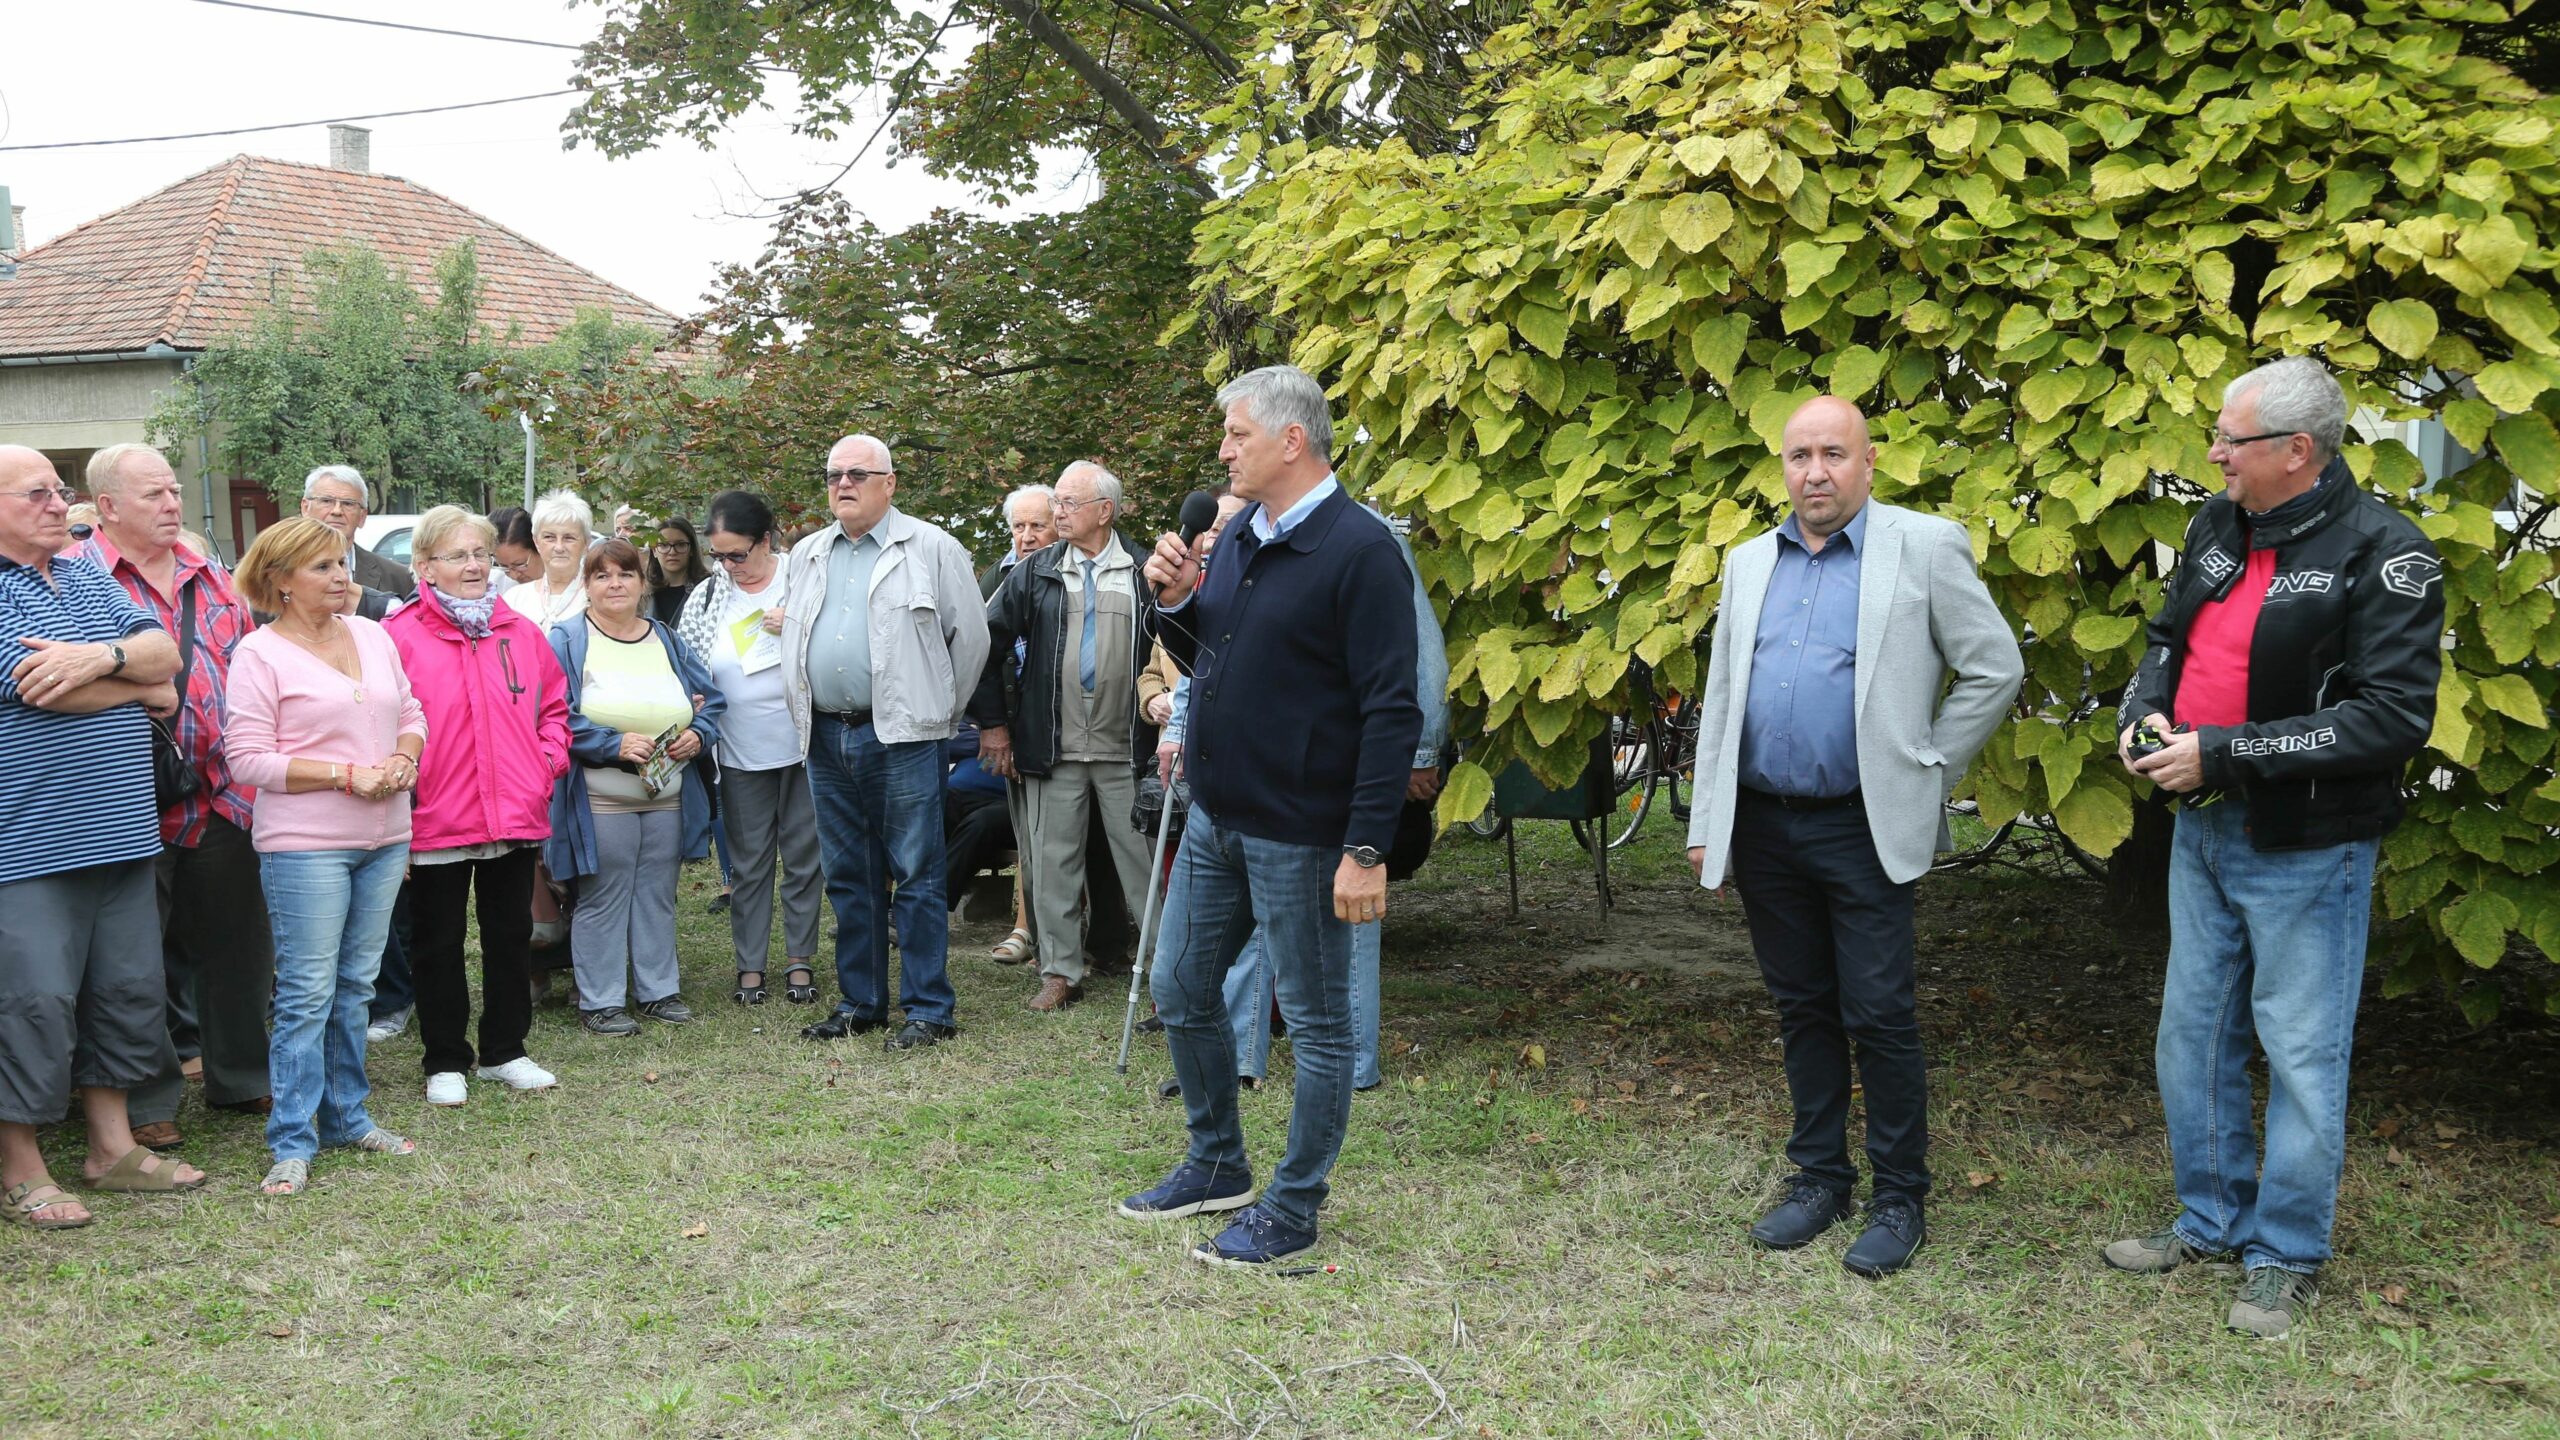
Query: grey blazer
(1922, 611)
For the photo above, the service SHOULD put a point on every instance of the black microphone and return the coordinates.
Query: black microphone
(1199, 512)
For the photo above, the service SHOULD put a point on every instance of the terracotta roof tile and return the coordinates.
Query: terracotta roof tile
(196, 260)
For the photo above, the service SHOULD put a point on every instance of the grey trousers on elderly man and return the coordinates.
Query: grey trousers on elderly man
(1063, 811)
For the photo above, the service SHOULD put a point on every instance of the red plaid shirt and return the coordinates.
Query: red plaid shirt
(222, 622)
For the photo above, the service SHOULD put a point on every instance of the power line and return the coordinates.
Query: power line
(391, 25)
(292, 124)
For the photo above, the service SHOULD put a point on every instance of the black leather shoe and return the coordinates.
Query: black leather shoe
(916, 1034)
(840, 1025)
(1810, 1207)
(1894, 1232)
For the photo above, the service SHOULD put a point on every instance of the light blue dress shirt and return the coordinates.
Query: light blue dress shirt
(840, 633)
(1799, 721)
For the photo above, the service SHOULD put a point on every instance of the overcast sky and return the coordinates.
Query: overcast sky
(659, 224)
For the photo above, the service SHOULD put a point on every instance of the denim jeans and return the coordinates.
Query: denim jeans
(1249, 1006)
(331, 910)
(880, 824)
(2264, 947)
(1223, 886)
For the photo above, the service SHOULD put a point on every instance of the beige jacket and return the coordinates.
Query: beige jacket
(928, 627)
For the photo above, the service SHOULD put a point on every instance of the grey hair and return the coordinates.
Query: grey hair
(887, 462)
(106, 468)
(1028, 492)
(345, 474)
(2297, 395)
(1106, 486)
(560, 507)
(1276, 397)
(439, 524)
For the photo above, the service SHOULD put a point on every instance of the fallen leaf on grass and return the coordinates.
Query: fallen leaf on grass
(650, 1079)
(2448, 1132)
(1581, 1106)
(2388, 1127)
(2133, 1352)
(2394, 1156)
(1625, 1087)
(2395, 1293)
(1534, 1056)
(281, 1331)
(1981, 1179)
(696, 1231)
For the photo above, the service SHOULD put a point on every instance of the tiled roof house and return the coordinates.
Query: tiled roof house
(100, 320)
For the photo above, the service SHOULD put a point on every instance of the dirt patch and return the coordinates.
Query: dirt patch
(1651, 943)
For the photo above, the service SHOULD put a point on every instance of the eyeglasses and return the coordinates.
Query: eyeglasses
(465, 557)
(1066, 505)
(2218, 440)
(323, 502)
(857, 477)
(733, 557)
(41, 494)
(673, 545)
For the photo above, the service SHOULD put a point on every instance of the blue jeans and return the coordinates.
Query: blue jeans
(2264, 946)
(880, 823)
(1223, 886)
(1249, 1006)
(331, 911)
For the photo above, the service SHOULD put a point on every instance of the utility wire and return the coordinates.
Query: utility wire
(391, 25)
(292, 124)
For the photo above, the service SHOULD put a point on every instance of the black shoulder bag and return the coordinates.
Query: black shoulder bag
(173, 776)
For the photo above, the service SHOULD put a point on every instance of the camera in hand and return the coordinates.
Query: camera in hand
(2148, 740)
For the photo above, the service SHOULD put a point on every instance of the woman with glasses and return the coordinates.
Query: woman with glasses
(498, 726)
(323, 724)
(636, 806)
(675, 566)
(562, 525)
(734, 622)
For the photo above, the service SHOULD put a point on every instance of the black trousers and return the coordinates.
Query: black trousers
(438, 895)
(976, 827)
(220, 959)
(1834, 938)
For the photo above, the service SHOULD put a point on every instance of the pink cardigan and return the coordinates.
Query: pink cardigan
(288, 704)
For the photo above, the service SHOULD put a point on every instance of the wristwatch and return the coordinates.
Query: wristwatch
(118, 652)
(1367, 855)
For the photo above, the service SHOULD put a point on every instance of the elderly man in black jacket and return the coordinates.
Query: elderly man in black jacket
(1075, 735)
(2290, 677)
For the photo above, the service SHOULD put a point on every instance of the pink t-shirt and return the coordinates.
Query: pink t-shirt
(2213, 684)
(288, 704)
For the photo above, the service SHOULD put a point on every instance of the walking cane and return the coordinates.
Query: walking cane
(1146, 923)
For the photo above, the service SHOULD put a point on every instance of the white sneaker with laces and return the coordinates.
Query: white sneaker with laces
(520, 1074)
(386, 1027)
(445, 1088)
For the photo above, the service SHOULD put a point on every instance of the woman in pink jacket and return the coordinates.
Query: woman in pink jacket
(497, 737)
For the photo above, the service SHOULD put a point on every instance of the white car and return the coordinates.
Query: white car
(388, 536)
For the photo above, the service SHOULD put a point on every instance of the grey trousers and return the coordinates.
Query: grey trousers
(220, 957)
(82, 1001)
(765, 811)
(622, 936)
(1078, 804)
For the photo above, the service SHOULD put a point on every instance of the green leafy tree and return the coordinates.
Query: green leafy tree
(2034, 238)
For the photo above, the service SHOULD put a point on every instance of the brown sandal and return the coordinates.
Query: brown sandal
(139, 1172)
(157, 1134)
(20, 1204)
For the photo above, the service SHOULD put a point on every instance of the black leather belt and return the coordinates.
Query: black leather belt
(855, 718)
(1804, 802)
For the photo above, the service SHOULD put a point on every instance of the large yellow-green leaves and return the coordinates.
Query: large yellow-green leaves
(2034, 238)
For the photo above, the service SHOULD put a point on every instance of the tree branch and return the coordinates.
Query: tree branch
(1171, 19)
(1106, 85)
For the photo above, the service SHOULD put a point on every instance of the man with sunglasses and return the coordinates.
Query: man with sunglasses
(883, 637)
(2289, 679)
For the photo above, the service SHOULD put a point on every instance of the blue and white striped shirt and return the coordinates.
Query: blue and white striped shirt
(75, 790)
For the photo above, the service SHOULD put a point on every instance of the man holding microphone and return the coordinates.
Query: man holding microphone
(1299, 636)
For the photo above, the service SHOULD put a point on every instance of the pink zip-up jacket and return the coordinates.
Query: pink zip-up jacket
(497, 726)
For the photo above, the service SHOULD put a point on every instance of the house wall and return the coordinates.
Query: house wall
(72, 411)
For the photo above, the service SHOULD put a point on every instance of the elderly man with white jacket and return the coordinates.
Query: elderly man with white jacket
(883, 635)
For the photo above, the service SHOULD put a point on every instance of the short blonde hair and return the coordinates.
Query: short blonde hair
(281, 549)
(438, 525)
(106, 468)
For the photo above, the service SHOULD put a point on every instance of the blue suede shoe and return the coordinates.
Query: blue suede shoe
(1190, 1189)
(1257, 1238)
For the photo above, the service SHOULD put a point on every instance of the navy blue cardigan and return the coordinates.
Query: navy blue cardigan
(571, 850)
(1303, 716)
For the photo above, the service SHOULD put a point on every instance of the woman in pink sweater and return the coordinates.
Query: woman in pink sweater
(322, 723)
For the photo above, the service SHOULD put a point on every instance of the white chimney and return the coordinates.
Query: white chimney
(18, 228)
(351, 148)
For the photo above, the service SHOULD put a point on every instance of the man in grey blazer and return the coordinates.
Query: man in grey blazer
(1829, 739)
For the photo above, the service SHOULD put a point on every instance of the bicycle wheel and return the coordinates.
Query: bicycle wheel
(1680, 756)
(1636, 744)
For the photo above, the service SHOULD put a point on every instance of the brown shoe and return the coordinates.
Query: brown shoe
(1056, 993)
(156, 1135)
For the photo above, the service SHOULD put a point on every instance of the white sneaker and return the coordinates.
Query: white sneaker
(445, 1088)
(380, 1030)
(520, 1074)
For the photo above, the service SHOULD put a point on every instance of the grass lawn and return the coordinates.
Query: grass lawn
(725, 1230)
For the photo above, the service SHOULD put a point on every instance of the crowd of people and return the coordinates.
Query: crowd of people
(303, 775)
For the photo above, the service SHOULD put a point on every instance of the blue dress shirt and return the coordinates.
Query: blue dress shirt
(1799, 718)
